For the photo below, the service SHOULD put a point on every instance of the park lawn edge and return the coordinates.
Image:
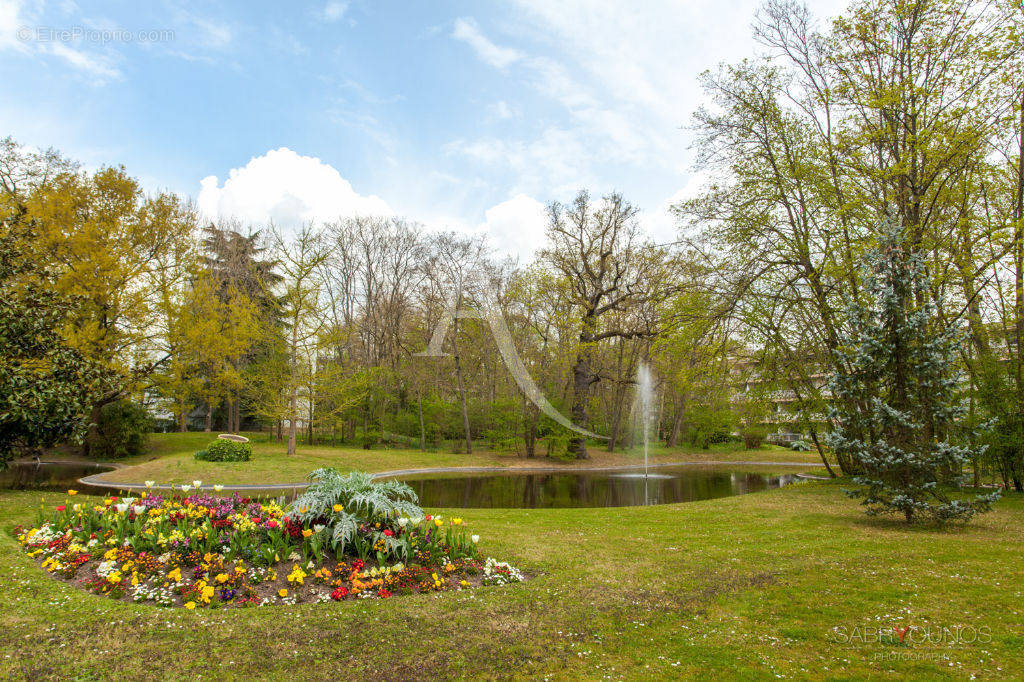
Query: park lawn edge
(756, 585)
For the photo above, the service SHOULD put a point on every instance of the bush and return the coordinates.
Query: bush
(752, 438)
(222, 450)
(121, 431)
(799, 445)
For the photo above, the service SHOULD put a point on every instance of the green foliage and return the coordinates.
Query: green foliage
(708, 424)
(47, 388)
(895, 399)
(799, 446)
(121, 431)
(753, 437)
(1005, 440)
(222, 450)
(341, 503)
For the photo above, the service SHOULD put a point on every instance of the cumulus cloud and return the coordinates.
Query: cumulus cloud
(516, 227)
(499, 57)
(287, 189)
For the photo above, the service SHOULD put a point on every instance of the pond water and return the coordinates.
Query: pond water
(555, 489)
(50, 476)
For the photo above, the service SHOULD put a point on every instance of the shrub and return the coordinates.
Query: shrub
(752, 438)
(799, 445)
(222, 450)
(121, 431)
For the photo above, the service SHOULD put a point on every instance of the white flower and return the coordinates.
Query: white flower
(402, 522)
(150, 484)
(318, 527)
(474, 538)
(218, 487)
(416, 521)
(121, 508)
(128, 500)
(196, 484)
(185, 488)
(139, 509)
(294, 556)
(310, 565)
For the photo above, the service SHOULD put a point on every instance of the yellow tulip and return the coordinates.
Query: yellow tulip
(72, 492)
(190, 605)
(338, 507)
(282, 592)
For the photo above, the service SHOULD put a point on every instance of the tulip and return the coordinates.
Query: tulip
(190, 605)
(218, 487)
(474, 538)
(185, 488)
(150, 484)
(282, 592)
(72, 492)
(196, 484)
(338, 507)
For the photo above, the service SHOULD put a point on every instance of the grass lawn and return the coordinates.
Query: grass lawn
(748, 586)
(169, 460)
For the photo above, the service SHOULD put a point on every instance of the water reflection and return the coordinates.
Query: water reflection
(50, 476)
(591, 489)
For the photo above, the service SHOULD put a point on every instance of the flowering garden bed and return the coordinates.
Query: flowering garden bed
(346, 537)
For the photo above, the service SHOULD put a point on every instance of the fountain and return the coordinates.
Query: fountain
(644, 397)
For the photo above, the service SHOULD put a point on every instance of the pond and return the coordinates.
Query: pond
(50, 476)
(556, 489)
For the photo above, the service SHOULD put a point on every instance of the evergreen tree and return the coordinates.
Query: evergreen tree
(47, 388)
(895, 404)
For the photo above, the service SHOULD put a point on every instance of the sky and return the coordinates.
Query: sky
(468, 116)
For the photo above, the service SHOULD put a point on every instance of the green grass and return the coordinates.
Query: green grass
(169, 460)
(749, 586)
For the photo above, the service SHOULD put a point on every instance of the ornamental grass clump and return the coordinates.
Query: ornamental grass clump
(199, 550)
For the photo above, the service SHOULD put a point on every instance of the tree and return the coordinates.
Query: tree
(457, 270)
(47, 387)
(599, 250)
(300, 261)
(901, 429)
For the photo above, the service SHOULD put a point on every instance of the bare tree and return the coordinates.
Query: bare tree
(599, 250)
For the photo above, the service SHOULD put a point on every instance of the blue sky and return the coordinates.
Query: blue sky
(464, 115)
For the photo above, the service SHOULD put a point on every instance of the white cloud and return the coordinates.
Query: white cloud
(10, 22)
(19, 33)
(99, 67)
(335, 10)
(468, 32)
(503, 111)
(557, 162)
(516, 227)
(287, 189)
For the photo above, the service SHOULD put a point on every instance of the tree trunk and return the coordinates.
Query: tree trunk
(183, 419)
(423, 428)
(677, 424)
(462, 399)
(209, 418)
(821, 453)
(582, 378)
(529, 429)
(293, 426)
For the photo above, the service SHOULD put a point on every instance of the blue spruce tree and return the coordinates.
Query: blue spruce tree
(895, 401)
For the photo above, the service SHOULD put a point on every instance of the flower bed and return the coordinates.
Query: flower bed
(347, 537)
